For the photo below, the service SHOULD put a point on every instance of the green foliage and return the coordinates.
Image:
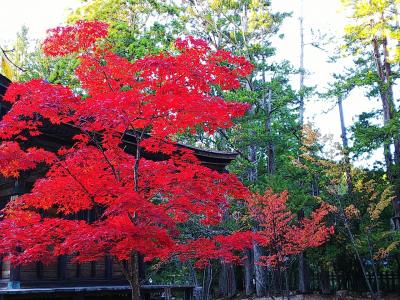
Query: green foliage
(137, 27)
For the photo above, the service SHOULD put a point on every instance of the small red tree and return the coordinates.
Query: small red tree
(281, 235)
(137, 203)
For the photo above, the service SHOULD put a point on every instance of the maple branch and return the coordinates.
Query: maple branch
(98, 145)
(136, 169)
(78, 181)
(137, 159)
(105, 75)
(10, 61)
(91, 197)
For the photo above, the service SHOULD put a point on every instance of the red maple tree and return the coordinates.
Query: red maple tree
(137, 204)
(280, 233)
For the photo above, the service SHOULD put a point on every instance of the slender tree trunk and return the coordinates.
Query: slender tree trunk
(260, 272)
(207, 281)
(350, 192)
(345, 145)
(252, 172)
(227, 280)
(193, 275)
(389, 113)
(287, 288)
(302, 269)
(134, 259)
(303, 274)
(249, 273)
(324, 281)
(268, 121)
(374, 268)
(301, 104)
(134, 277)
(131, 273)
(353, 244)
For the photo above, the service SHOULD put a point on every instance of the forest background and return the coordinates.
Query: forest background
(311, 79)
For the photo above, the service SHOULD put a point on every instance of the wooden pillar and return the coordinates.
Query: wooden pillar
(78, 273)
(188, 294)
(142, 268)
(39, 270)
(108, 267)
(62, 267)
(93, 269)
(167, 293)
(15, 271)
(15, 277)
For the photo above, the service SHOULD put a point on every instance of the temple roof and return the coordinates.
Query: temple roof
(213, 159)
(4, 82)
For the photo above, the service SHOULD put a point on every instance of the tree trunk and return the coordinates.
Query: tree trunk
(270, 146)
(207, 281)
(303, 274)
(227, 280)
(249, 273)
(302, 268)
(345, 145)
(252, 172)
(260, 272)
(287, 288)
(389, 113)
(324, 281)
(134, 277)
(353, 244)
(350, 192)
(193, 275)
(301, 19)
(374, 268)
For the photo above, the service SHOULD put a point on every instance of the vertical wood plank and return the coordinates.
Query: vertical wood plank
(62, 267)
(108, 267)
(15, 271)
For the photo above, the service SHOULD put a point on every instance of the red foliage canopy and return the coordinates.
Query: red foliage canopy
(280, 233)
(136, 204)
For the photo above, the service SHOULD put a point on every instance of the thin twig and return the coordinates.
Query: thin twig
(10, 61)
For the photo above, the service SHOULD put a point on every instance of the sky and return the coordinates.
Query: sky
(329, 17)
(326, 15)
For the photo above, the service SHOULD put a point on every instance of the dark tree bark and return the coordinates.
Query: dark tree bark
(227, 280)
(302, 267)
(301, 104)
(260, 272)
(249, 273)
(350, 193)
(325, 283)
(345, 145)
(303, 274)
(383, 68)
(134, 276)
(207, 282)
(303, 270)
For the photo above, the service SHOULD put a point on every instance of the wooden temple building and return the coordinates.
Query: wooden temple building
(63, 279)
